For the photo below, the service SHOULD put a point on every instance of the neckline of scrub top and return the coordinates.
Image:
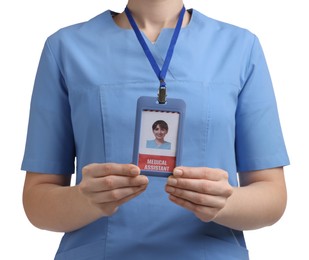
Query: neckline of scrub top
(111, 13)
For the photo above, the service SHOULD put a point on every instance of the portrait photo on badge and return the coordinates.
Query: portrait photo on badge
(157, 146)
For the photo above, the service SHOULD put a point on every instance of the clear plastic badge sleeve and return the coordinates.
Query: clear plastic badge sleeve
(158, 135)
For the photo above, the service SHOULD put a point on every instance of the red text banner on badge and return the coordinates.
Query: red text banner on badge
(149, 162)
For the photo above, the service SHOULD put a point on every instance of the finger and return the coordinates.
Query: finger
(202, 212)
(104, 169)
(112, 182)
(198, 185)
(116, 195)
(200, 173)
(128, 198)
(198, 198)
(111, 207)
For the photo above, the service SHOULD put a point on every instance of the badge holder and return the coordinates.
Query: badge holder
(158, 135)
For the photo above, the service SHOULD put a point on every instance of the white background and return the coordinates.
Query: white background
(281, 26)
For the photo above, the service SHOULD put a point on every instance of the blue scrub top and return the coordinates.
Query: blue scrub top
(88, 81)
(153, 144)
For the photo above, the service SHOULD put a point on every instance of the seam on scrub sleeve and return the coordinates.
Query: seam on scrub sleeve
(248, 70)
(57, 63)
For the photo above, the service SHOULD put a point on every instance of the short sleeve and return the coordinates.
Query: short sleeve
(259, 139)
(50, 142)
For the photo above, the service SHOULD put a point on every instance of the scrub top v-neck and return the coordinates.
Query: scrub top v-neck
(83, 105)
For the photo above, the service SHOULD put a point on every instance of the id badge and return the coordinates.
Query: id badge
(158, 135)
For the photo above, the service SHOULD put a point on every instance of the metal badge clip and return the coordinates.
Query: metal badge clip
(162, 92)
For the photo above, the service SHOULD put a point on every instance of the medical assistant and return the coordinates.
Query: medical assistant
(83, 105)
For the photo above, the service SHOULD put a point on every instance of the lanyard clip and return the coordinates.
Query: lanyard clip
(162, 92)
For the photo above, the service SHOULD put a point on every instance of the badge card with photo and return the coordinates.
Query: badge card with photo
(158, 135)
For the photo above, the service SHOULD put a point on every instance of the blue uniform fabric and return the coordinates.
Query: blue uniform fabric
(83, 106)
(153, 144)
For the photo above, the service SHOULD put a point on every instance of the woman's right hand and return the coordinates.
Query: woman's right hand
(109, 185)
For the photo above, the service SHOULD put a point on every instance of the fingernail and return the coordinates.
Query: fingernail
(145, 180)
(177, 172)
(171, 181)
(170, 189)
(134, 171)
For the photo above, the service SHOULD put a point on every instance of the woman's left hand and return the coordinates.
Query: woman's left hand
(202, 190)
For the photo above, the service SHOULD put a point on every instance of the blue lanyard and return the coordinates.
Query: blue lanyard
(160, 73)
